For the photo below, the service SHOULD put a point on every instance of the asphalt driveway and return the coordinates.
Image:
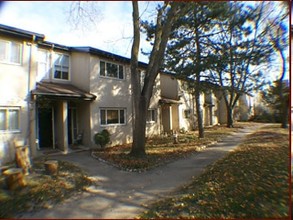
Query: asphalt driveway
(122, 194)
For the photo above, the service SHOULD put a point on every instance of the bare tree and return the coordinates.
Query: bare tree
(84, 15)
(166, 15)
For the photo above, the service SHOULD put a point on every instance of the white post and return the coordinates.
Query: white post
(65, 125)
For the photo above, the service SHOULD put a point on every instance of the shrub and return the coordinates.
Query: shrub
(102, 138)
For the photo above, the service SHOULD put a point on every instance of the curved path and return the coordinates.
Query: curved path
(122, 194)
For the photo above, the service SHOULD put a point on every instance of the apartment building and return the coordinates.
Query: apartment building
(53, 96)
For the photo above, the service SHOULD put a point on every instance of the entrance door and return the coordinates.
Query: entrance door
(45, 125)
(72, 125)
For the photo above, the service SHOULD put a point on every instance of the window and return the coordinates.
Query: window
(187, 113)
(9, 119)
(43, 64)
(151, 115)
(112, 116)
(61, 67)
(111, 70)
(10, 52)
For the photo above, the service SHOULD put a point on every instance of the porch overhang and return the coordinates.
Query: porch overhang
(61, 91)
(169, 101)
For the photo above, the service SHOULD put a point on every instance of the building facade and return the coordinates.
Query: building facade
(53, 96)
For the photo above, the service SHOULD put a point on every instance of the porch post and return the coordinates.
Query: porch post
(171, 117)
(65, 126)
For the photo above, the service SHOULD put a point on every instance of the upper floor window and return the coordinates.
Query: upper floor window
(112, 116)
(10, 52)
(111, 70)
(9, 118)
(43, 64)
(61, 67)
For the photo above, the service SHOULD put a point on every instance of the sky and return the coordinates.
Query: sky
(111, 30)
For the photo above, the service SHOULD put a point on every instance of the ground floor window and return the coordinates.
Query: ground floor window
(112, 116)
(187, 113)
(9, 118)
(151, 115)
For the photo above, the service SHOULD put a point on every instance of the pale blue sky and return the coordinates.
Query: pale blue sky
(113, 30)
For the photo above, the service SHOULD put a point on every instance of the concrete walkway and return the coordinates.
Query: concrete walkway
(122, 194)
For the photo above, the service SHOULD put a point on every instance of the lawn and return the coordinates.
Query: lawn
(250, 182)
(161, 149)
(42, 191)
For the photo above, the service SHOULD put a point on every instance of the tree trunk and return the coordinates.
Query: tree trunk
(199, 115)
(51, 167)
(22, 158)
(139, 101)
(14, 178)
(141, 96)
(139, 129)
(229, 117)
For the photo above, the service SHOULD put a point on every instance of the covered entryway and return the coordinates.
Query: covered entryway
(45, 116)
(170, 114)
(57, 109)
(72, 124)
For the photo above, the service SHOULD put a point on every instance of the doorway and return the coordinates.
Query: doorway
(45, 127)
(72, 125)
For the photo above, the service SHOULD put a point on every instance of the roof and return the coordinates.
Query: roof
(53, 45)
(169, 101)
(12, 31)
(106, 54)
(63, 91)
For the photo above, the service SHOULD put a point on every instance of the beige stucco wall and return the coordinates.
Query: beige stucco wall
(14, 92)
(80, 70)
(169, 86)
(111, 93)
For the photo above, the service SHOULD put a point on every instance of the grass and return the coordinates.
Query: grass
(161, 150)
(250, 182)
(42, 191)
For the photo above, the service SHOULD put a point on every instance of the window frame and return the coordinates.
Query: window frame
(187, 113)
(106, 114)
(106, 75)
(8, 52)
(153, 114)
(7, 125)
(61, 66)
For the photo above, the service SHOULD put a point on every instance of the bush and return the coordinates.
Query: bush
(102, 138)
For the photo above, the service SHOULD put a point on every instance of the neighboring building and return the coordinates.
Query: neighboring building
(53, 96)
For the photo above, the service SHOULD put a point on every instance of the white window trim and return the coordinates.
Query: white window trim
(7, 108)
(110, 77)
(9, 51)
(117, 109)
(53, 68)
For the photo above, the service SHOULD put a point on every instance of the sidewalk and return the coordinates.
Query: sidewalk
(122, 194)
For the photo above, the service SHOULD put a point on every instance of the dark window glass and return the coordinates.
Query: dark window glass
(112, 70)
(121, 72)
(122, 119)
(102, 69)
(103, 117)
(112, 117)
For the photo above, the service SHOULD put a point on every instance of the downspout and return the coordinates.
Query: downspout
(27, 141)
